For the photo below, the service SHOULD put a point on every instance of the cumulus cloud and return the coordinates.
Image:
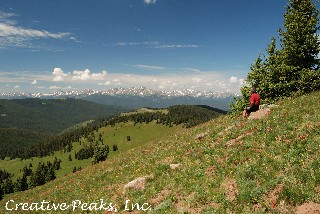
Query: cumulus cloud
(233, 79)
(59, 74)
(114, 82)
(150, 1)
(76, 75)
(34, 82)
(196, 79)
(87, 75)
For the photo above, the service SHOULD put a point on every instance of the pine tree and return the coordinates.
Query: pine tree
(100, 154)
(38, 176)
(294, 68)
(50, 174)
(300, 48)
(299, 42)
(21, 184)
(115, 147)
(8, 186)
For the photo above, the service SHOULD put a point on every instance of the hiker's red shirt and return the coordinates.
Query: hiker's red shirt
(255, 99)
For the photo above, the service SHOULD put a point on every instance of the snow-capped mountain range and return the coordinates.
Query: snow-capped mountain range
(132, 91)
(137, 97)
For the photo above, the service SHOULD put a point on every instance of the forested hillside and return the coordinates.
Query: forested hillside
(28, 144)
(50, 115)
(187, 115)
(29, 126)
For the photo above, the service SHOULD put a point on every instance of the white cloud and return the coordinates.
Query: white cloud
(40, 87)
(68, 87)
(233, 79)
(54, 87)
(192, 70)
(114, 82)
(99, 76)
(160, 78)
(177, 46)
(149, 44)
(23, 76)
(87, 75)
(16, 86)
(5, 18)
(149, 67)
(13, 35)
(196, 79)
(59, 74)
(155, 45)
(10, 30)
(201, 81)
(241, 81)
(150, 1)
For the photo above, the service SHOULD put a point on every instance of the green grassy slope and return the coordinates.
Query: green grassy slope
(239, 166)
(140, 135)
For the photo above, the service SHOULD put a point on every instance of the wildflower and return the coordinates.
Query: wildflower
(302, 137)
(287, 141)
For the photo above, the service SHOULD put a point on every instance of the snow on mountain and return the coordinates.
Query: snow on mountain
(133, 91)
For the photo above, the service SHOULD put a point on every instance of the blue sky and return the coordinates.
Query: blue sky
(206, 45)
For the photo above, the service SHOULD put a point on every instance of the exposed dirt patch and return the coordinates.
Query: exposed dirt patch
(201, 136)
(231, 188)
(272, 197)
(226, 130)
(167, 160)
(161, 196)
(232, 141)
(182, 206)
(259, 114)
(174, 166)
(307, 208)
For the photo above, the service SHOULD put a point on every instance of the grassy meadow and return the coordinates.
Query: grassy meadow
(140, 134)
(269, 165)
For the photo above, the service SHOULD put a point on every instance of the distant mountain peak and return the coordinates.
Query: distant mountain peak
(133, 91)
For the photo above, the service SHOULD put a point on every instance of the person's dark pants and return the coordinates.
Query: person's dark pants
(252, 109)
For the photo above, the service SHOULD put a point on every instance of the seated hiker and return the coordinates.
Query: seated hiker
(254, 103)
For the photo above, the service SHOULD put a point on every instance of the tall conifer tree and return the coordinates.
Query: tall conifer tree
(299, 39)
(294, 68)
